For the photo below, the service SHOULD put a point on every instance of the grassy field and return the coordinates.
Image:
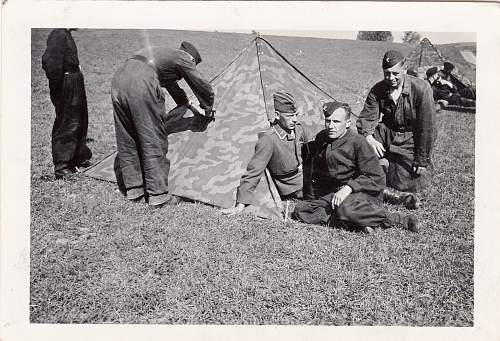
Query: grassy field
(96, 258)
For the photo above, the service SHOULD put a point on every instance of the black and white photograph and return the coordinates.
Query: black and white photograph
(242, 172)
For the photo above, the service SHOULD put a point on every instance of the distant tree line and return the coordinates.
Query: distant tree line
(409, 37)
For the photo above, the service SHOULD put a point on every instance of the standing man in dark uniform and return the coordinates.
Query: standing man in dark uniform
(348, 179)
(280, 151)
(398, 121)
(139, 104)
(67, 93)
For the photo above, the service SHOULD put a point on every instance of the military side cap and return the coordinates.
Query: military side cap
(391, 58)
(330, 107)
(432, 71)
(447, 66)
(284, 102)
(189, 48)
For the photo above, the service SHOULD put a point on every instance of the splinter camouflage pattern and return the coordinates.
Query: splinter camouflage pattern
(425, 56)
(207, 161)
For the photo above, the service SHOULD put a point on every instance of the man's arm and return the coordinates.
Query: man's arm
(177, 93)
(425, 129)
(53, 57)
(201, 87)
(255, 169)
(368, 121)
(371, 177)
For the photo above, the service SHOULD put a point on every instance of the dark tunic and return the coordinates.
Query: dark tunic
(348, 160)
(407, 129)
(281, 154)
(67, 93)
(141, 165)
(452, 96)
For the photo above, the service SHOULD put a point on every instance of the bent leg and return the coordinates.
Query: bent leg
(314, 211)
(361, 209)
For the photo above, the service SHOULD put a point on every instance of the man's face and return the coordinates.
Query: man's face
(393, 76)
(433, 78)
(337, 123)
(287, 120)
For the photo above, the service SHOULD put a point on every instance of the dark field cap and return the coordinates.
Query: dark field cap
(330, 107)
(432, 71)
(189, 48)
(284, 102)
(447, 66)
(391, 58)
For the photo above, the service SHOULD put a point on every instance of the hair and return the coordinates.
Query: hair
(345, 106)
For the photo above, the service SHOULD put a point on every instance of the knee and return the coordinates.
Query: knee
(345, 211)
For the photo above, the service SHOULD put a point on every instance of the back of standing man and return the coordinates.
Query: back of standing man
(67, 93)
(138, 100)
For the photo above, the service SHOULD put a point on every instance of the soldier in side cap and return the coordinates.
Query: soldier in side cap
(447, 78)
(398, 121)
(280, 151)
(67, 93)
(348, 179)
(139, 105)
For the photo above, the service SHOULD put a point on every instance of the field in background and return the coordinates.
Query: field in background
(97, 258)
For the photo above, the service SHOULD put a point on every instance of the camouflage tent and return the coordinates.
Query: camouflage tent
(207, 161)
(425, 55)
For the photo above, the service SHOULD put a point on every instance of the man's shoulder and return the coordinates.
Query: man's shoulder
(379, 89)
(418, 84)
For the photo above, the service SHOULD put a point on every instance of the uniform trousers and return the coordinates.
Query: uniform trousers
(141, 165)
(69, 132)
(399, 148)
(358, 209)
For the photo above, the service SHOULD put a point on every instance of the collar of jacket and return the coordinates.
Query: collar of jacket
(341, 140)
(282, 133)
(406, 87)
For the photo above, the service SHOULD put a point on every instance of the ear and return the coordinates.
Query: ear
(348, 123)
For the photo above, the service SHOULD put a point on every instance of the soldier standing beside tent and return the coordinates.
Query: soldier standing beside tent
(348, 180)
(398, 121)
(280, 150)
(141, 164)
(67, 93)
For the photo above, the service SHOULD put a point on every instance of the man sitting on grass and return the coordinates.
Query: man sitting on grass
(280, 151)
(348, 180)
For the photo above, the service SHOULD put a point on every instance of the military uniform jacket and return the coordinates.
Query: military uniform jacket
(348, 160)
(413, 112)
(281, 154)
(172, 65)
(60, 56)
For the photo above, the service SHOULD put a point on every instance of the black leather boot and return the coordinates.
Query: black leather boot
(407, 222)
(407, 199)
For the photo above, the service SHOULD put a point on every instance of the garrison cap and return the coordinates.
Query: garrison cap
(391, 58)
(284, 102)
(189, 48)
(432, 71)
(447, 66)
(330, 107)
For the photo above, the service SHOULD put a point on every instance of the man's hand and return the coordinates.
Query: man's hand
(234, 210)
(378, 147)
(340, 195)
(419, 170)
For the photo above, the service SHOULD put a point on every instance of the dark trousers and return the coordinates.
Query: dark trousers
(357, 210)
(400, 153)
(139, 104)
(69, 132)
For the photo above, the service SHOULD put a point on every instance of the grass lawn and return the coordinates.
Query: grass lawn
(96, 258)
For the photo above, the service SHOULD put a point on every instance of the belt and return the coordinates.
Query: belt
(287, 175)
(145, 60)
(71, 70)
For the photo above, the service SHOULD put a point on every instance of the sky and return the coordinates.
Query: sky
(434, 37)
